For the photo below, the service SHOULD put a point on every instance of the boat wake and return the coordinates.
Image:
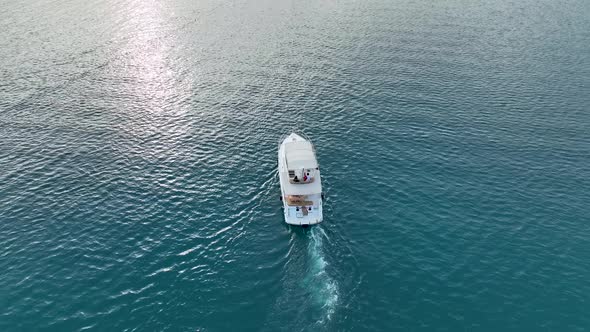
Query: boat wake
(324, 290)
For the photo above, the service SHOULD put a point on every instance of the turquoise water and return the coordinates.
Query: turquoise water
(138, 184)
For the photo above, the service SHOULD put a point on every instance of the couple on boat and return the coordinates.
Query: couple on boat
(306, 178)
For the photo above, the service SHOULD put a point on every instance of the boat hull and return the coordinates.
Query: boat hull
(302, 201)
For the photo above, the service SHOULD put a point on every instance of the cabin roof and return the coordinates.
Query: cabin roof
(300, 154)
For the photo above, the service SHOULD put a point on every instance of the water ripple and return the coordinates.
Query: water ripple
(138, 184)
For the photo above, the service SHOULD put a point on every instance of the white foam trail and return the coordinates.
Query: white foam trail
(324, 289)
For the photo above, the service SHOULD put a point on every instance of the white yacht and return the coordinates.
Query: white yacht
(301, 186)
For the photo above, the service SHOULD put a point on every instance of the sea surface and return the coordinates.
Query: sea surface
(138, 180)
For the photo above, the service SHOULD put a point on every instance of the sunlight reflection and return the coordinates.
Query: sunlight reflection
(153, 85)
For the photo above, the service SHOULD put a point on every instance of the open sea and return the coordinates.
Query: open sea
(138, 172)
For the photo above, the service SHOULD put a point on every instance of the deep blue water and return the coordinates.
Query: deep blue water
(138, 184)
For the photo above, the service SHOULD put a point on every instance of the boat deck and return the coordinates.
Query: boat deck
(303, 216)
(298, 200)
